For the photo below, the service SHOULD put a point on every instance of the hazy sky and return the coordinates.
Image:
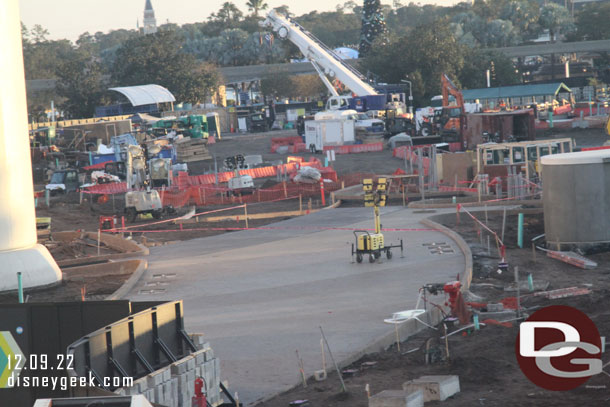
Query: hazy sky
(70, 18)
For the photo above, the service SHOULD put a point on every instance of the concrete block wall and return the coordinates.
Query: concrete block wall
(174, 385)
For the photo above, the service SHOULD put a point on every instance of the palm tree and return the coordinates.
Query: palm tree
(229, 12)
(256, 5)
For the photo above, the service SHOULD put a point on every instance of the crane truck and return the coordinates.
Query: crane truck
(328, 63)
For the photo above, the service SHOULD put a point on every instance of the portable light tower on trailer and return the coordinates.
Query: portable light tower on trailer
(373, 243)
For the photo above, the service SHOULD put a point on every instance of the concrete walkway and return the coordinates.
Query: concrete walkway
(260, 295)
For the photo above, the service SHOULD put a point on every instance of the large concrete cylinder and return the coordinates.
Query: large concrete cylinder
(19, 251)
(576, 191)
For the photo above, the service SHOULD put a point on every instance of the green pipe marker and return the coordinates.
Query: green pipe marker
(20, 287)
(520, 232)
(530, 282)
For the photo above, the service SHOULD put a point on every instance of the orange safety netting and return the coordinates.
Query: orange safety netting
(190, 190)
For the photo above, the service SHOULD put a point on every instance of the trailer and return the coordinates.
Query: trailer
(330, 128)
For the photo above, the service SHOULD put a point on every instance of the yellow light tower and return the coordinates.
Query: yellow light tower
(373, 243)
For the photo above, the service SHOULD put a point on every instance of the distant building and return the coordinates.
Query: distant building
(150, 22)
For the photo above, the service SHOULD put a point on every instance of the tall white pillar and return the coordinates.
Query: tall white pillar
(19, 251)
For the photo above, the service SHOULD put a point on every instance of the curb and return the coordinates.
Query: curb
(466, 277)
(409, 328)
(419, 205)
(130, 283)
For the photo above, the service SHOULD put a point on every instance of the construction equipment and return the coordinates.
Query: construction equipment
(258, 122)
(138, 201)
(241, 184)
(451, 113)
(328, 62)
(373, 244)
(63, 181)
(193, 126)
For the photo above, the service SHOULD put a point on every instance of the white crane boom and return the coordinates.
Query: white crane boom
(318, 53)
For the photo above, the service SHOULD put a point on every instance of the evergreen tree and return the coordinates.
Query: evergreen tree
(373, 25)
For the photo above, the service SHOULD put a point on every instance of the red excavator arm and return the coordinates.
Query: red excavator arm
(450, 89)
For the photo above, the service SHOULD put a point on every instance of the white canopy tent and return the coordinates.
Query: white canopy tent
(146, 94)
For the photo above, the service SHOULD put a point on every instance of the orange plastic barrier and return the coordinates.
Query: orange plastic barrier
(356, 148)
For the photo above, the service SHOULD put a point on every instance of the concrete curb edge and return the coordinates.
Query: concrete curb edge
(130, 283)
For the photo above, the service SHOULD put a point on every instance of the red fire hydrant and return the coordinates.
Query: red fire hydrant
(199, 399)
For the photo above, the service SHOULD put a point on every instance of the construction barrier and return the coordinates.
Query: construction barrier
(406, 152)
(356, 148)
(295, 144)
(187, 192)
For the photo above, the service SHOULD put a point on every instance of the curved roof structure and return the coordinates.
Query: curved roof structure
(146, 94)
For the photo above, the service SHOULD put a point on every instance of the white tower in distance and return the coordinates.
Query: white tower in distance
(150, 22)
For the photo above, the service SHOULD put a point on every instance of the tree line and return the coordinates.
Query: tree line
(423, 40)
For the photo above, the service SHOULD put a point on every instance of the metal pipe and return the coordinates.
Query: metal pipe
(20, 287)
(520, 231)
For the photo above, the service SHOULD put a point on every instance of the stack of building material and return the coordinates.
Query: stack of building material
(189, 150)
(174, 385)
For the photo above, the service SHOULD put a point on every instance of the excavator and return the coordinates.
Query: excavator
(443, 118)
(450, 117)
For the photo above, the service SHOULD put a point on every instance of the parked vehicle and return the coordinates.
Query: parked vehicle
(63, 181)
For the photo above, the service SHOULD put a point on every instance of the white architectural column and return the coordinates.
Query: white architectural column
(19, 251)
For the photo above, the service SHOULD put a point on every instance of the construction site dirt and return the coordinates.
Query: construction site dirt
(484, 360)
(68, 213)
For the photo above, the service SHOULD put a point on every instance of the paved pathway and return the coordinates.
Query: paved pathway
(260, 295)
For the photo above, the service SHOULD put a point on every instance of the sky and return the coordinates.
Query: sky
(70, 18)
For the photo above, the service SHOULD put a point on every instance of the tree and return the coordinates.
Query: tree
(159, 59)
(477, 62)
(556, 19)
(38, 33)
(373, 26)
(592, 22)
(80, 83)
(500, 33)
(283, 10)
(523, 14)
(231, 42)
(277, 85)
(256, 5)
(308, 86)
(228, 13)
(261, 47)
(429, 50)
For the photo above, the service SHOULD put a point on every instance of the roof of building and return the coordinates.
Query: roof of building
(504, 113)
(146, 94)
(541, 89)
(148, 5)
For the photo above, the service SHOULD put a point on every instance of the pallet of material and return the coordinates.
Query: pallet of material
(188, 150)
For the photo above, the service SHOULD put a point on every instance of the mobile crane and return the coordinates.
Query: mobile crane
(327, 62)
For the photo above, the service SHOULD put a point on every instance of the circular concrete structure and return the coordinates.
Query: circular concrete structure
(576, 189)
